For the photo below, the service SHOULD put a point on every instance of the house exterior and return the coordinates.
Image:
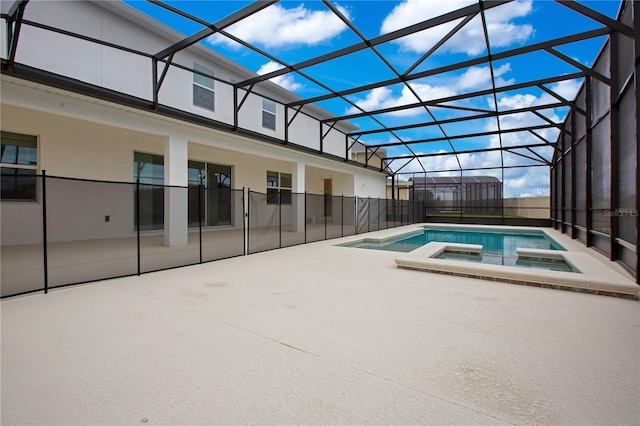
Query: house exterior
(78, 105)
(400, 190)
(361, 154)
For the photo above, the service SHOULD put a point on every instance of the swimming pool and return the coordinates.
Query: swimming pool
(539, 260)
(493, 241)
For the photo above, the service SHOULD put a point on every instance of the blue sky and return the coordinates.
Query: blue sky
(294, 31)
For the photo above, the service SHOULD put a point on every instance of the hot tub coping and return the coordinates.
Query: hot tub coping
(591, 277)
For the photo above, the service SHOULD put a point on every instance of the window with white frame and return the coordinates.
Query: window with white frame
(19, 158)
(268, 114)
(203, 87)
(278, 182)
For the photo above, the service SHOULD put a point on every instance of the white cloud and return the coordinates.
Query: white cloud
(521, 120)
(383, 97)
(286, 81)
(521, 182)
(568, 89)
(472, 78)
(516, 101)
(470, 39)
(518, 182)
(379, 97)
(277, 26)
(449, 162)
(480, 77)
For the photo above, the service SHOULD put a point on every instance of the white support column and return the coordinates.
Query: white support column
(175, 199)
(298, 187)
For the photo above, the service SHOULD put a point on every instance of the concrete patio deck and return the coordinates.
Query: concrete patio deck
(318, 334)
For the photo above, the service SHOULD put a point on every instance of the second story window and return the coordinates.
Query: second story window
(268, 114)
(203, 88)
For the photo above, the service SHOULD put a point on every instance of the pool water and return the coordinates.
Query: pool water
(496, 242)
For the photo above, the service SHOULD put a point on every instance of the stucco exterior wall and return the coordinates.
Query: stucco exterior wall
(88, 138)
(90, 143)
(131, 73)
(369, 186)
(305, 131)
(76, 148)
(342, 183)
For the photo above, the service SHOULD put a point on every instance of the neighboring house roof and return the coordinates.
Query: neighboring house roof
(441, 180)
(401, 184)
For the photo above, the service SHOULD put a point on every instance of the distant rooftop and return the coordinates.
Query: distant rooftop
(456, 179)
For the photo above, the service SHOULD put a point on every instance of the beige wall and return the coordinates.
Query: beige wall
(89, 139)
(402, 192)
(533, 207)
(88, 120)
(342, 183)
(360, 157)
(76, 148)
(71, 147)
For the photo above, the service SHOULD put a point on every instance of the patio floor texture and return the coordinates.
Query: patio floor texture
(318, 334)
